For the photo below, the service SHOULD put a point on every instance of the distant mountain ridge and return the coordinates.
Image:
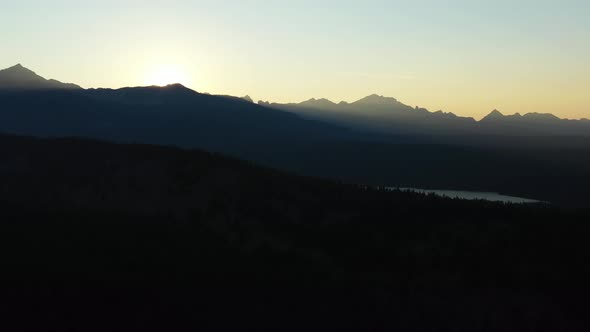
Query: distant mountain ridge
(376, 113)
(373, 115)
(496, 115)
(381, 114)
(174, 94)
(170, 115)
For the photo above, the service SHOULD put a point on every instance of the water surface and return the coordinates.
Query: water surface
(473, 195)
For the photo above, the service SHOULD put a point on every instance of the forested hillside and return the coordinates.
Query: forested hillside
(97, 236)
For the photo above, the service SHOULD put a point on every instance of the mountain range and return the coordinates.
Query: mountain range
(172, 114)
(375, 141)
(389, 116)
(97, 235)
(373, 114)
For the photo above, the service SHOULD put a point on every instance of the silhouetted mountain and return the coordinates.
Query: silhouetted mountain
(375, 115)
(493, 116)
(552, 170)
(19, 77)
(167, 115)
(497, 116)
(376, 99)
(532, 124)
(173, 239)
(318, 103)
(541, 117)
(382, 115)
(173, 95)
(387, 115)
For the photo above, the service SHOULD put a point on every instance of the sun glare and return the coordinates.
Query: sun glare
(164, 75)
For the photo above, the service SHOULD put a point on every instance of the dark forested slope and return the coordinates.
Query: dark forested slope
(101, 236)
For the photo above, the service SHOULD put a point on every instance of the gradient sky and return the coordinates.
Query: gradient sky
(467, 57)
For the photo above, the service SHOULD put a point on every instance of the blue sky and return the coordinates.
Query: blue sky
(467, 57)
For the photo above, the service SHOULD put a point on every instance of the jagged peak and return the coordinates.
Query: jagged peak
(494, 115)
(175, 86)
(441, 112)
(19, 69)
(497, 115)
(324, 100)
(376, 99)
(541, 116)
(20, 77)
(320, 99)
(318, 102)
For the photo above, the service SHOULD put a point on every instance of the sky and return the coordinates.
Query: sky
(466, 57)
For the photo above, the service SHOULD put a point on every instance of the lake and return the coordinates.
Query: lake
(472, 195)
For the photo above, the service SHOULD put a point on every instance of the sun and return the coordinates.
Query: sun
(166, 74)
